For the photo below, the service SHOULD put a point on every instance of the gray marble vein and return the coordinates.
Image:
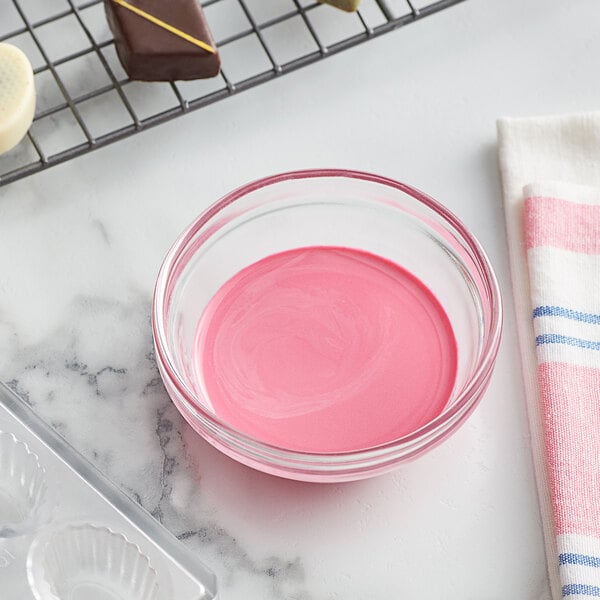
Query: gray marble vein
(108, 401)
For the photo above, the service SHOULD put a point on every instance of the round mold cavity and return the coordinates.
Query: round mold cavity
(24, 498)
(89, 562)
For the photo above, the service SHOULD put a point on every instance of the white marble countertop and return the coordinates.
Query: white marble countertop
(80, 246)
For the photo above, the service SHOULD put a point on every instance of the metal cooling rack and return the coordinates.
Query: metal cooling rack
(85, 100)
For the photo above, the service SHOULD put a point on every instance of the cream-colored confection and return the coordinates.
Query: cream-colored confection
(347, 5)
(17, 96)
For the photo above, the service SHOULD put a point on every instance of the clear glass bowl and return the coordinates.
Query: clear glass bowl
(327, 208)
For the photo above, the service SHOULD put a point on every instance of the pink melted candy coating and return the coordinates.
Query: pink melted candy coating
(325, 349)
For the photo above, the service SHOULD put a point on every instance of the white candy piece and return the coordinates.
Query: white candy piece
(17, 96)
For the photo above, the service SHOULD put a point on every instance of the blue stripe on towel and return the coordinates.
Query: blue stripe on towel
(570, 558)
(580, 588)
(568, 313)
(555, 338)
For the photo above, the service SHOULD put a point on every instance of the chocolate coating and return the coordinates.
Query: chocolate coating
(149, 52)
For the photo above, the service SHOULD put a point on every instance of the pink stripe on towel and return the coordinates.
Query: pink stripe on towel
(562, 224)
(570, 397)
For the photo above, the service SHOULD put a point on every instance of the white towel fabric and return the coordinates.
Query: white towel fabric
(550, 153)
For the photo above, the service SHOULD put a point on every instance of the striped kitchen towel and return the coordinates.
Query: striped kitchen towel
(562, 233)
(551, 178)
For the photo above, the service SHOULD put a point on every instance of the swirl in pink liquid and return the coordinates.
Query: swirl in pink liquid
(325, 349)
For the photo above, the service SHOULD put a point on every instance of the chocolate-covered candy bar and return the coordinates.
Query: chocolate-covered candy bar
(347, 5)
(162, 40)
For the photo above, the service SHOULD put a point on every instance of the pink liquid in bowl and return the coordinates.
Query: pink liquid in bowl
(325, 349)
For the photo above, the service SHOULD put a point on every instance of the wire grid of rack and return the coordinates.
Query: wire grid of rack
(85, 100)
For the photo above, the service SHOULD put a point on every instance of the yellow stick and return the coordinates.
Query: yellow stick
(173, 30)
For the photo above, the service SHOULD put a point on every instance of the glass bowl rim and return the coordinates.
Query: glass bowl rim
(460, 407)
